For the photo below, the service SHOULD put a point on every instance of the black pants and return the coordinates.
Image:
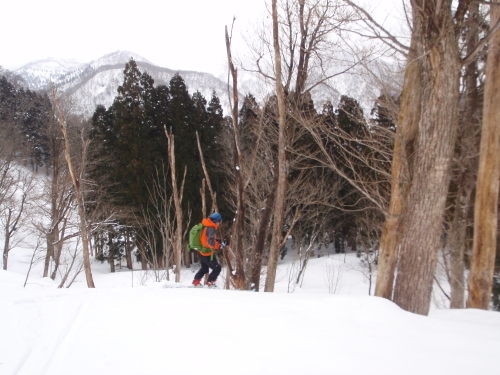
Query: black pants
(207, 264)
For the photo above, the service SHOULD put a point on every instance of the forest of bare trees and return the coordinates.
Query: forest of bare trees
(413, 184)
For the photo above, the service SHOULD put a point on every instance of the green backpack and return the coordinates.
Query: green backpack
(194, 238)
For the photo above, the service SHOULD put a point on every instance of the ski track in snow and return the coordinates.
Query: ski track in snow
(49, 324)
(65, 339)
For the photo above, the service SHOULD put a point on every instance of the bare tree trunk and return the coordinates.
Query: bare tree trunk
(486, 204)
(279, 205)
(128, 250)
(144, 259)
(467, 157)
(458, 243)
(61, 200)
(111, 259)
(239, 278)
(203, 199)
(437, 48)
(12, 222)
(409, 116)
(58, 236)
(467, 150)
(79, 198)
(52, 234)
(178, 208)
(6, 245)
(31, 262)
(213, 194)
(50, 252)
(261, 236)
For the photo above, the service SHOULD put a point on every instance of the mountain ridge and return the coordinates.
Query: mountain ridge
(96, 82)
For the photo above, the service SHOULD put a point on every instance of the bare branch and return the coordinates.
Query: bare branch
(375, 25)
(471, 56)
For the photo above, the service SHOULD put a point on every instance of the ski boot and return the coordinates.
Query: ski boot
(197, 284)
(211, 285)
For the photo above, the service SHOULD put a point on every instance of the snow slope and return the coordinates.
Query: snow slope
(131, 324)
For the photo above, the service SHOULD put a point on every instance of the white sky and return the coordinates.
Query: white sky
(176, 34)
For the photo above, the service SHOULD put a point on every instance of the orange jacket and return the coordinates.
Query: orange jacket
(208, 237)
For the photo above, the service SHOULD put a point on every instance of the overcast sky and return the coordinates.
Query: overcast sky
(176, 34)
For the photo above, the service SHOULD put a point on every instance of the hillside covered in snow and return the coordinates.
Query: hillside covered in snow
(96, 82)
(88, 85)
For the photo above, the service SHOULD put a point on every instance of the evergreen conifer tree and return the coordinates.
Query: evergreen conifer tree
(130, 147)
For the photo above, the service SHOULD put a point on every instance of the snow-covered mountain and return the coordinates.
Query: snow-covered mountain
(94, 83)
(40, 74)
(88, 85)
(13, 78)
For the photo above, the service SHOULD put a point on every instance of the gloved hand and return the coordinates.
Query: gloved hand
(222, 243)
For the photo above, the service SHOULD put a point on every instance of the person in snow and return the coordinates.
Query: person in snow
(210, 244)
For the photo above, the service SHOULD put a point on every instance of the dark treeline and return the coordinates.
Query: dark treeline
(129, 157)
(24, 120)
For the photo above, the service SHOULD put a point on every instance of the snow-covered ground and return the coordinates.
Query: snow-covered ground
(131, 324)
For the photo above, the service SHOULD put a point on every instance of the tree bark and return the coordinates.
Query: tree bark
(52, 232)
(437, 49)
(178, 208)
(239, 225)
(486, 204)
(58, 235)
(50, 252)
(279, 205)
(466, 155)
(408, 118)
(457, 251)
(128, 250)
(6, 244)
(261, 237)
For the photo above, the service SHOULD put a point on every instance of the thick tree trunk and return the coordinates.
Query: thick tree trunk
(464, 178)
(458, 239)
(486, 204)
(279, 206)
(408, 118)
(437, 49)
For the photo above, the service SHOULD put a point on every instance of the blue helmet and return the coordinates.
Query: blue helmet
(215, 217)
